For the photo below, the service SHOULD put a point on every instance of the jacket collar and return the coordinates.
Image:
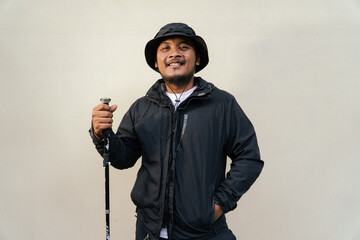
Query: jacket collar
(157, 91)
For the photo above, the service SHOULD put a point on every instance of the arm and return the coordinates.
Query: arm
(241, 146)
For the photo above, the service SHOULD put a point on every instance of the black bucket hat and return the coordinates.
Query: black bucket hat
(176, 29)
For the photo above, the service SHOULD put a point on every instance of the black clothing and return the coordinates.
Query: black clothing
(220, 232)
(184, 153)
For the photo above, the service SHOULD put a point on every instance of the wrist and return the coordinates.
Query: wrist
(99, 137)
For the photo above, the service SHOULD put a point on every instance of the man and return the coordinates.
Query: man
(184, 129)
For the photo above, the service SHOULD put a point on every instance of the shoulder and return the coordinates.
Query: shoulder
(139, 104)
(215, 92)
(223, 99)
(222, 95)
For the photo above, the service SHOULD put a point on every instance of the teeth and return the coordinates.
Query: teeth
(175, 64)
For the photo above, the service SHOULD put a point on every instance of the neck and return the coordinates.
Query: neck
(173, 88)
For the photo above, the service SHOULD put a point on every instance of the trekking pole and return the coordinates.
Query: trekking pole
(106, 164)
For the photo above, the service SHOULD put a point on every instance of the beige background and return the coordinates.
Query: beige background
(292, 65)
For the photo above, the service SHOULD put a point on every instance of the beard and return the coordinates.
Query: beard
(180, 81)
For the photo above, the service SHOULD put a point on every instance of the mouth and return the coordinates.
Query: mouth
(175, 63)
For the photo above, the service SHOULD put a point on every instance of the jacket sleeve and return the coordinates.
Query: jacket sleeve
(124, 146)
(242, 147)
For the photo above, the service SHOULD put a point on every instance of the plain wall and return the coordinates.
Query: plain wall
(293, 66)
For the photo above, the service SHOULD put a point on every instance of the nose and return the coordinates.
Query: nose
(175, 53)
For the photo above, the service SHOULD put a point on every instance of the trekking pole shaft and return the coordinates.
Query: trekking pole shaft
(107, 202)
(106, 164)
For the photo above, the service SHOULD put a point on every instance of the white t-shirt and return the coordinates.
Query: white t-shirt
(181, 97)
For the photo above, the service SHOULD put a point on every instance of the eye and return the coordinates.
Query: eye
(164, 48)
(184, 47)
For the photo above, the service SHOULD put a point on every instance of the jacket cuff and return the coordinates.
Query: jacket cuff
(95, 140)
(224, 202)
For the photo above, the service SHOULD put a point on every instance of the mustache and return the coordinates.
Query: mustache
(175, 61)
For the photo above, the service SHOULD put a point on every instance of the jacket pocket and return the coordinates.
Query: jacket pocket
(207, 214)
(196, 211)
(146, 190)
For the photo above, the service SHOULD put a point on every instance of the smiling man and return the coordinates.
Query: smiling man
(184, 129)
(176, 61)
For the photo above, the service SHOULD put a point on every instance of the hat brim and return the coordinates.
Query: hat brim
(200, 47)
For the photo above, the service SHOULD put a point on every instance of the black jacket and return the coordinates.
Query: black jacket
(184, 154)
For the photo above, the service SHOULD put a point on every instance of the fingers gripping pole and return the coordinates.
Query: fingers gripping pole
(106, 133)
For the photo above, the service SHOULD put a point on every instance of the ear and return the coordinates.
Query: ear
(156, 65)
(197, 60)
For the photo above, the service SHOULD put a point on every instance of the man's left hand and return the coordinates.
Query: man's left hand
(218, 212)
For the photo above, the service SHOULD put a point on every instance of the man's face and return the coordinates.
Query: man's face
(176, 60)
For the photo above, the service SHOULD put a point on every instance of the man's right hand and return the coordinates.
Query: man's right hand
(102, 118)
